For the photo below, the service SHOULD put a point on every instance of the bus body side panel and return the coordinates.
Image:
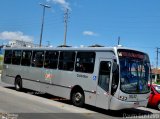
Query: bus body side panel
(8, 74)
(47, 80)
(64, 80)
(30, 77)
(3, 75)
(88, 85)
(5, 78)
(49, 85)
(31, 85)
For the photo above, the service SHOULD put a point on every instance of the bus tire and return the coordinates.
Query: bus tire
(77, 98)
(18, 83)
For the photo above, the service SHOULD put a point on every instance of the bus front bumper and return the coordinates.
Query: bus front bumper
(117, 104)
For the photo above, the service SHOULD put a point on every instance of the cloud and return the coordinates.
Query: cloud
(6, 35)
(63, 3)
(89, 33)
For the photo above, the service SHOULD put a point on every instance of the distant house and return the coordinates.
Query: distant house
(154, 72)
(19, 43)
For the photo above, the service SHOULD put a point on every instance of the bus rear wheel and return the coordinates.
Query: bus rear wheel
(18, 83)
(78, 98)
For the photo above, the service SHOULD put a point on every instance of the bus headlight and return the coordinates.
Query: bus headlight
(123, 98)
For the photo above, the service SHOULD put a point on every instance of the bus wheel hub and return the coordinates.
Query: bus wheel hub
(78, 96)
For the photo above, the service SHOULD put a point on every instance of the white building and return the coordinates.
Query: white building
(19, 43)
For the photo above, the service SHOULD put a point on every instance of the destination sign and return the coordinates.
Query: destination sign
(130, 54)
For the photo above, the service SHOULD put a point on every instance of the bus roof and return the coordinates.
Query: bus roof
(114, 49)
(69, 48)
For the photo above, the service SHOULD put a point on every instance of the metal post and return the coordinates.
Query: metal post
(44, 6)
(119, 40)
(66, 25)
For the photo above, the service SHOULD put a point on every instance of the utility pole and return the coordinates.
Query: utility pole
(44, 6)
(119, 39)
(157, 57)
(65, 25)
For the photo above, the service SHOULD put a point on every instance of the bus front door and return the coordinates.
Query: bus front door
(103, 86)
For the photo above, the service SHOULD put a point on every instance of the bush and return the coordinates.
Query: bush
(158, 82)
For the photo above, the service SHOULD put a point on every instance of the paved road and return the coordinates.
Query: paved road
(25, 105)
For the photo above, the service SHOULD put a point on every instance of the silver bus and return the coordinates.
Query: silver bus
(106, 77)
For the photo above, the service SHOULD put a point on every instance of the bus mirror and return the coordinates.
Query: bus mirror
(114, 67)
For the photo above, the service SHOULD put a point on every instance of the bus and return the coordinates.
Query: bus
(110, 78)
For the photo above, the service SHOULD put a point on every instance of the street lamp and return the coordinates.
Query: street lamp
(44, 6)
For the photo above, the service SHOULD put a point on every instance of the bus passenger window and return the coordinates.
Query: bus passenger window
(8, 57)
(66, 61)
(104, 75)
(51, 59)
(37, 58)
(26, 58)
(85, 62)
(16, 57)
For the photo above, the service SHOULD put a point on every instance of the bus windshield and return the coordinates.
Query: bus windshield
(134, 71)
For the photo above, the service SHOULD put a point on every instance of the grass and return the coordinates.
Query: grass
(1, 62)
(1, 57)
(1, 67)
(158, 82)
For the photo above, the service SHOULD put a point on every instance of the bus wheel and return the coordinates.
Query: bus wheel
(78, 98)
(18, 83)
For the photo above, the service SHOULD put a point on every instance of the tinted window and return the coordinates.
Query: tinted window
(66, 61)
(16, 57)
(26, 58)
(37, 58)
(8, 57)
(51, 59)
(85, 62)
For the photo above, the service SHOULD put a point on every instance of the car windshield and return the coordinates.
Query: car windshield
(134, 71)
(157, 88)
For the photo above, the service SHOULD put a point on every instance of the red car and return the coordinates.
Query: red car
(154, 98)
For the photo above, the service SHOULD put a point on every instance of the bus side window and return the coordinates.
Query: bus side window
(104, 75)
(37, 59)
(26, 58)
(51, 59)
(66, 61)
(16, 57)
(8, 56)
(85, 62)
